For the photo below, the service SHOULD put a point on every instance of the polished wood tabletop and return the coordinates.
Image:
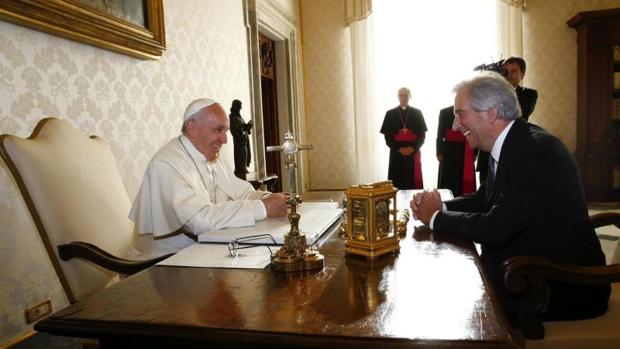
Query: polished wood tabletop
(431, 294)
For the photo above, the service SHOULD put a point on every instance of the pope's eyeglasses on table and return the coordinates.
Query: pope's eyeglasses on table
(250, 241)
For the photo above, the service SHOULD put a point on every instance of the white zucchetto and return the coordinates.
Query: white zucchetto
(196, 106)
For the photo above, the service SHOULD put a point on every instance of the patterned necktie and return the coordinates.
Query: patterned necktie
(490, 177)
(491, 174)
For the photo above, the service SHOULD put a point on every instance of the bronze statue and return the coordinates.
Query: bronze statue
(240, 131)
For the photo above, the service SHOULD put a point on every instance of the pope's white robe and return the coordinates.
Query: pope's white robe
(174, 194)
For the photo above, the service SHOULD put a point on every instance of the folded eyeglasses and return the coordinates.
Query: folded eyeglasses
(250, 241)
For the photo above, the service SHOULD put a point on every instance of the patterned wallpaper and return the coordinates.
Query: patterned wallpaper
(329, 94)
(135, 105)
(550, 49)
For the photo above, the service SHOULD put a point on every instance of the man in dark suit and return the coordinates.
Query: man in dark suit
(514, 68)
(532, 202)
(515, 72)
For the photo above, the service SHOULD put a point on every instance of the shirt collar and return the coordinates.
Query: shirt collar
(499, 142)
(193, 152)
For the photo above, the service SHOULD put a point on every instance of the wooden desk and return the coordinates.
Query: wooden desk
(432, 294)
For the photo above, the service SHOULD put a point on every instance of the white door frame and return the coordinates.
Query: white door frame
(268, 18)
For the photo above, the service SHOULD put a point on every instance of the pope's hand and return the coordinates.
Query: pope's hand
(275, 204)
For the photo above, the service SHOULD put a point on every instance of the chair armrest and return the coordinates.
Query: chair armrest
(530, 276)
(97, 256)
(606, 218)
(269, 182)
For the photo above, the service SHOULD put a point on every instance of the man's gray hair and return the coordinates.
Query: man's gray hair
(404, 89)
(490, 90)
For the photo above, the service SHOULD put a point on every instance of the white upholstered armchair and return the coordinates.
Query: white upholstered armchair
(75, 195)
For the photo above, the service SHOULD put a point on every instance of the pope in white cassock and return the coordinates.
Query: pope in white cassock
(187, 190)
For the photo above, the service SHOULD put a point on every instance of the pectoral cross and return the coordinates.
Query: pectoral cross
(290, 148)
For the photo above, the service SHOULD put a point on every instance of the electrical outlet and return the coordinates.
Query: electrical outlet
(38, 311)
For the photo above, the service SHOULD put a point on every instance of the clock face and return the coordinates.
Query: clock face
(382, 209)
(359, 220)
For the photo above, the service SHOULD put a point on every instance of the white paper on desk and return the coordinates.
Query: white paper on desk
(316, 218)
(217, 256)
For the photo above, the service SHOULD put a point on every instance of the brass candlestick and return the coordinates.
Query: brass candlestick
(295, 255)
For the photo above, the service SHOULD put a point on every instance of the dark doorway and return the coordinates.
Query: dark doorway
(270, 106)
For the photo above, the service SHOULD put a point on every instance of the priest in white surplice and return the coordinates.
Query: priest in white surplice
(187, 190)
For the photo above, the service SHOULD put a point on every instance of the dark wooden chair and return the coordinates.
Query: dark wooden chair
(77, 200)
(268, 183)
(530, 276)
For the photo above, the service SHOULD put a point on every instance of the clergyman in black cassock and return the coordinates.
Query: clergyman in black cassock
(404, 130)
(456, 158)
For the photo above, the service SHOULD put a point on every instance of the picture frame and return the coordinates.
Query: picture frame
(79, 21)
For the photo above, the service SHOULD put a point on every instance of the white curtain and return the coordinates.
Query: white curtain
(367, 124)
(356, 10)
(510, 30)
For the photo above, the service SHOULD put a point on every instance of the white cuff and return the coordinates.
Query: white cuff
(443, 209)
(259, 210)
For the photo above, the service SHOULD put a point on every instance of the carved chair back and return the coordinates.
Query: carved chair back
(74, 192)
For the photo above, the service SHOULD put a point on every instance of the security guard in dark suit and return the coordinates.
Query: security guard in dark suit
(515, 71)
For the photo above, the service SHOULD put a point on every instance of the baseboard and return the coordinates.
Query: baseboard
(36, 339)
(17, 340)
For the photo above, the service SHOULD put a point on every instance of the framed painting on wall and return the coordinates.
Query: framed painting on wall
(132, 27)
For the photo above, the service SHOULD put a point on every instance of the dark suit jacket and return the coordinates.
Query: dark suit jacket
(535, 207)
(527, 100)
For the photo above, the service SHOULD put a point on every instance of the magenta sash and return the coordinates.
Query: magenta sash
(469, 184)
(417, 159)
